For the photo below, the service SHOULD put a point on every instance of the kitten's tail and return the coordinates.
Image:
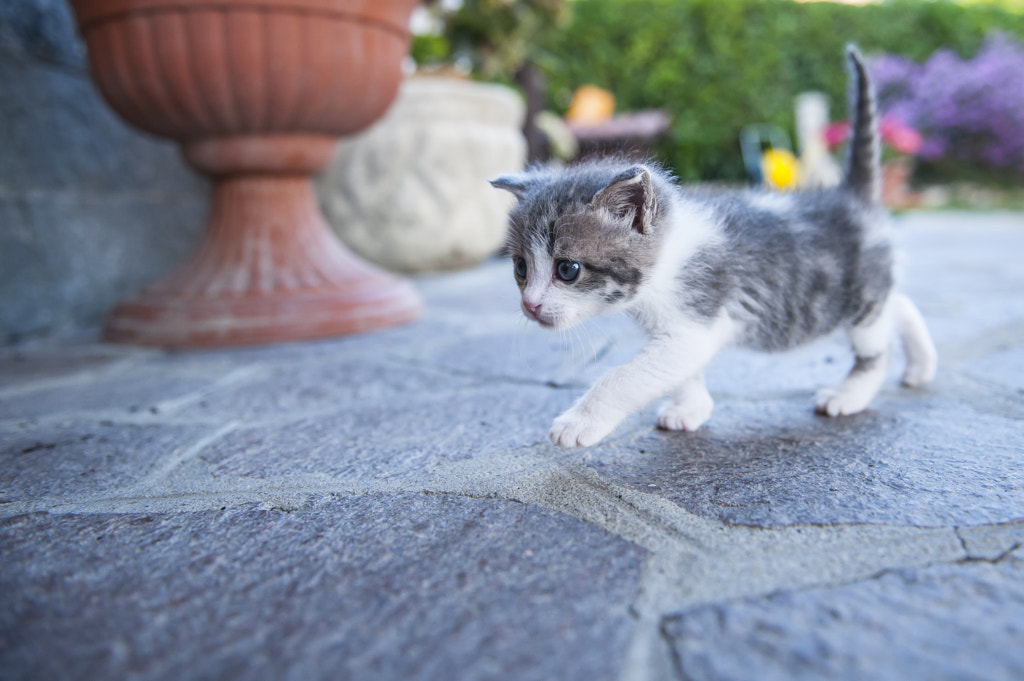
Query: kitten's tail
(862, 162)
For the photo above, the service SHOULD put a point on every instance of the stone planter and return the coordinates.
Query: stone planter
(411, 193)
(256, 92)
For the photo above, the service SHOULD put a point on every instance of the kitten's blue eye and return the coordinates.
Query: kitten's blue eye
(567, 270)
(520, 265)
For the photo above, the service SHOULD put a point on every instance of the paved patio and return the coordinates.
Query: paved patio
(388, 506)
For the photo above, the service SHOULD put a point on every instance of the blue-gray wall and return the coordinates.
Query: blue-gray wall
(90, 210)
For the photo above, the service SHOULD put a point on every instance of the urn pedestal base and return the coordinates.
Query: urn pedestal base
(268, 269)
(257, 92)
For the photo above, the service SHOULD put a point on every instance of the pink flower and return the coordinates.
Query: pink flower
(836, 134)
(901, 137)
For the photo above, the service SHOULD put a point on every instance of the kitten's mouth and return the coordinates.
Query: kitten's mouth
(540, 319)
(547, 324)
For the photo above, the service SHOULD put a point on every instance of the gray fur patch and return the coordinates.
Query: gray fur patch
(559, 213)
(705, 283)
(789, 275)
(865, 365)
(614, 297)
(616, 269)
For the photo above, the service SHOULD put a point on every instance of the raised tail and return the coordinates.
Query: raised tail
(862, 162)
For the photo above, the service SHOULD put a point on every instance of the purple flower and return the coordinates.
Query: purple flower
(968, 110)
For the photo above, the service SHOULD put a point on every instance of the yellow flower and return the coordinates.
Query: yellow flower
(780, 169)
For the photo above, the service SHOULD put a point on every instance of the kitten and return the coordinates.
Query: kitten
(702, 271)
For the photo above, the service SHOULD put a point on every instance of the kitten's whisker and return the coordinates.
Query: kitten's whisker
(586, 335)
(526, 328)
(570, 336)
(577, 341)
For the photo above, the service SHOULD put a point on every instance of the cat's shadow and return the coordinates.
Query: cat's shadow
(776, 469)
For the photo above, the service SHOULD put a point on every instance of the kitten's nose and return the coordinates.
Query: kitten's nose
(532, 308)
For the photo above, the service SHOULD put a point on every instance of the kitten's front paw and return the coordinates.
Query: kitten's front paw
(576, 428)
(837, 402)
(688, 417)
(919, 374)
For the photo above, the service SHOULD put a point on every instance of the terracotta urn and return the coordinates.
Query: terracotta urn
(256, 92)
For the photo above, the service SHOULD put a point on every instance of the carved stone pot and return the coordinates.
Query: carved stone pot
(256, 92)
(433, 209)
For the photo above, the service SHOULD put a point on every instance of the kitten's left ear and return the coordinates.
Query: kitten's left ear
(630, 196)
(517, 184)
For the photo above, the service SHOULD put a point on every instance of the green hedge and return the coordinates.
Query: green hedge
(718, 65)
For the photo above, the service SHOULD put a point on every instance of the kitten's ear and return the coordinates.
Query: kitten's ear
(517, 184)
(630, 196)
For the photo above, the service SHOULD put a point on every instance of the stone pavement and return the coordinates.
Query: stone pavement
(388, 507)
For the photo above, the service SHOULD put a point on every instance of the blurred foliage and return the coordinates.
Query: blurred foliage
(495, 37)
(431, 48)
(718, 65)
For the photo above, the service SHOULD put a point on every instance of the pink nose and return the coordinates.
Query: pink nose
(532, 308)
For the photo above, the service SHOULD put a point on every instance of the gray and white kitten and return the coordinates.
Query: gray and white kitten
(702, 271)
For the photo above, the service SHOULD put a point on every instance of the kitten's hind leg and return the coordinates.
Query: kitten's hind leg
(922, 358)
(690, 407)
(871, 346)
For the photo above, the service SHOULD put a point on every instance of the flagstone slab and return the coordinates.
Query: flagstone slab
(282, 389)
(1005, 368)
(123, 389)
(404, 438)
(960, 621)
(23, 367)
(78, 460)
(912, 459)
(372, 587)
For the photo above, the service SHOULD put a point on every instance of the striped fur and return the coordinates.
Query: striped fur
(862, 162)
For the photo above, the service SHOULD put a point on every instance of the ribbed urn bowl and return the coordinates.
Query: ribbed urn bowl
(256, 92)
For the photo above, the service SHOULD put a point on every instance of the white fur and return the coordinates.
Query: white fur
(559, 309)
(872, 340)
(853, 394)
(689, 228)
(922, 358)
(690, 407)
(674, 357)
(680, 347)
(771, 201)
(540, 290)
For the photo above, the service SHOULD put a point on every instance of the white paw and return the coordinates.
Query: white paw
(576, 428)
(688, 417)
(836, 402)
(917, 375)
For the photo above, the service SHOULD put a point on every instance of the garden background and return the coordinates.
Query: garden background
(92, 211)
(718, 65)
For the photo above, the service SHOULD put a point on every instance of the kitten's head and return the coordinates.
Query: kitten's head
(583, 239)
